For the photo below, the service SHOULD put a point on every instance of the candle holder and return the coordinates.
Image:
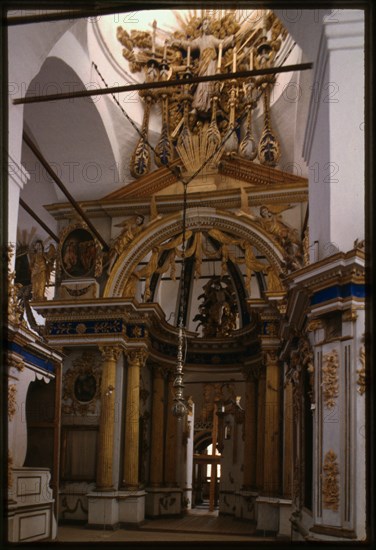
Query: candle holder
(164, 151)
(247, 146)
(231, 142)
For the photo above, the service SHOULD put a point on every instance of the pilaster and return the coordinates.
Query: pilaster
(271, 483)
(250, 431)
(157, 430)
(170, 472)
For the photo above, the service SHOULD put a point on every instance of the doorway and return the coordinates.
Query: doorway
(43, 430)
(206, 477)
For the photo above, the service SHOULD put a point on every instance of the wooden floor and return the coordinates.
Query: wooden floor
(200, 520)
(198, 525)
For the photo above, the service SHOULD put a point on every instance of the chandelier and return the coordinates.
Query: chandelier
(179, 408)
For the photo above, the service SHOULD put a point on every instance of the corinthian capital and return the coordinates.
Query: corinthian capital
(136, 357)
(110, 353)
(270, 357)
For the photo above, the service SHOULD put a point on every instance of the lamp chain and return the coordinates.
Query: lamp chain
(179, 408)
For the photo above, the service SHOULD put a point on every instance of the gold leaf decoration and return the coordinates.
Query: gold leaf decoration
(330, 378)
(12, 392)
(362, 372)
(330, 485)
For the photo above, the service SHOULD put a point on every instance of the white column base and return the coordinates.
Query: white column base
(131, 507)
(246, 505)
(227, 502)
(163, 501)
(187, 498)
(267, 514)
(285, 510)
(103, 509)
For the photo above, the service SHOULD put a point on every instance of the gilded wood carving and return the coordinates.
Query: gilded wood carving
(362, 371)
(330, 378)
(330, 485)
(81, 385)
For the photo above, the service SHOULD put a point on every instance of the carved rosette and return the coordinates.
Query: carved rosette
(330, 378)
(330, 485)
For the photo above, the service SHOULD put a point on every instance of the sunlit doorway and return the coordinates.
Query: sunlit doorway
(206, 478)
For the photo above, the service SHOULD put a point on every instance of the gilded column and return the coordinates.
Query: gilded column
(136, 359)
(272, 426)
(171, 437)
(157, 429)
(104, 482)
(250, 429)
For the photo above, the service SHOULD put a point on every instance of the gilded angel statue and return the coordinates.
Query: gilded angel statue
(271, 220)
(209, 47)
(41, 264)
(131, 228)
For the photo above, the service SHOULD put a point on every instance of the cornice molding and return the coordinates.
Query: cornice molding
(329, 269)
(336, 271)
(345, 33)
(237, 167)
(225, 199)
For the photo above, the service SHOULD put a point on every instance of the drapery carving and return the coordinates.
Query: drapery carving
(163, 259)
